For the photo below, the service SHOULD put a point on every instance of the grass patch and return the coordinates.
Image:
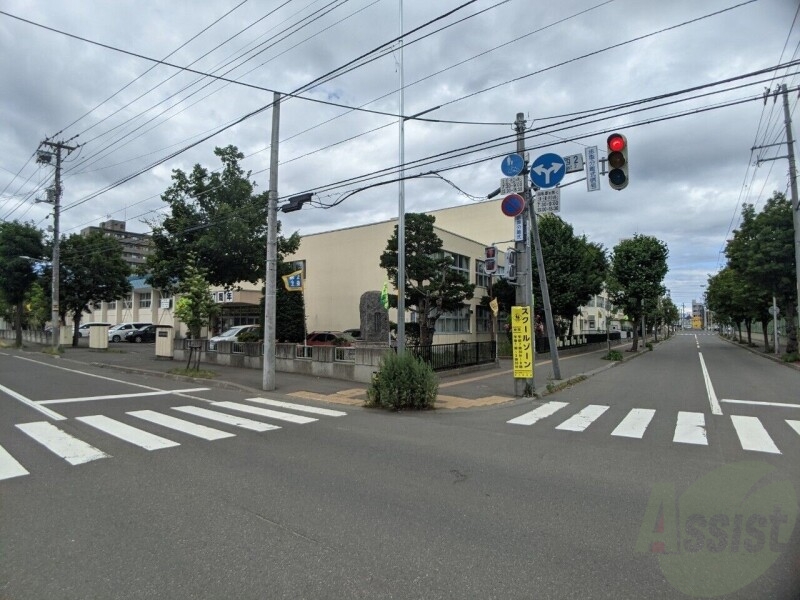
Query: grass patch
(197, 373)
(557, 387)
(613, 355)
(793, 357)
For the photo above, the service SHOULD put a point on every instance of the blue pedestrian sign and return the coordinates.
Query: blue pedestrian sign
(548, 170)
(512, 165)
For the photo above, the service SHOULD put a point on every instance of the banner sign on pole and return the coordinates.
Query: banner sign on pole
(519, 228)
(592, 170)
(522, 341)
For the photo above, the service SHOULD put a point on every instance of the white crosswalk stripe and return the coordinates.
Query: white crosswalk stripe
(794, 425)
(129, 434)
(201, 431)
(233, 420)
(545, 410)
(60, 443)
(752, 435)
(583, 419)
(635, 423)
(9, 467)
(691, 429)
(265, 412)
(299, 407)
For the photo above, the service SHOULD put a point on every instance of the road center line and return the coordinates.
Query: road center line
(116, 396)
(716, 409)
(139, 385)
(761, 403)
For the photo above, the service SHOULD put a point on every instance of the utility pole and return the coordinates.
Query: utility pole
(787, 116)
(401, 210)
(58, 147)
(270, 299)
(525, 291)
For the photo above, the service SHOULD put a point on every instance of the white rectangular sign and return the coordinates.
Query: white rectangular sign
(592, 170)
(548, 200)
(512, 185)
(574, 163)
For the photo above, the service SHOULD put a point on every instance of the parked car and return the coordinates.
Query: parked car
(145, 334)
(354, 333)
(329, 338)
(118, 332)
(83, 330)
(230, 335)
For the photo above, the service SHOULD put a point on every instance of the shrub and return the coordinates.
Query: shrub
(649, 345)
(403, 382)
(793, 357)
(613, 355)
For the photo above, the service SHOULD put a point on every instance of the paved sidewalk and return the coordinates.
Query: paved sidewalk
(486, 386)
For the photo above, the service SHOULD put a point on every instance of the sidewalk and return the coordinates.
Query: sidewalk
(489, 385)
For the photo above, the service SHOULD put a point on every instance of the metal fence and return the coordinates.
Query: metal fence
(453, 356)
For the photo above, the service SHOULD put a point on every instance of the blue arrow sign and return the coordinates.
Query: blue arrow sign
(548, 170)
(512, 165)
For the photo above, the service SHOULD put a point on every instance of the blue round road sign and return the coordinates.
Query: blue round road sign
(548, 170)
(512, 205)
(512, 165)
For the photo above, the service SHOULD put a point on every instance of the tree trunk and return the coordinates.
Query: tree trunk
(20, 314)
(764, 325)
(749, 327)
(635, 345)
(739, 327)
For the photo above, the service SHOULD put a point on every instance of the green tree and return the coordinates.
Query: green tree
(432, 286)
(195, 306)
(17, 274)
(762, 251)
(733, 299)
(38, 305)
(91, 270)
(217, 218)
(575, 267)
(638, 268)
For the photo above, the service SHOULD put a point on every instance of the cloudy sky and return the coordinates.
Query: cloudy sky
(476, 63)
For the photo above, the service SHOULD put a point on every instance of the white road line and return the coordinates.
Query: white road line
(264, 412)
(9, 467)
(752, 435)
(794, 425)
(126, 433)
(635, 423)
(60, 443)
(201, 431)
(716, 409)
(583, 419)
(545, 410)
(45, 364)
(302, 408)
(34, 405)
(691, 429)
(118, 396)
(761, 403)
(234, 420)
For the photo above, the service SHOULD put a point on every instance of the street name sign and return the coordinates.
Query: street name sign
(512, 165)
(574, 163)
(592, 169)
(548, 170)
(512, 185)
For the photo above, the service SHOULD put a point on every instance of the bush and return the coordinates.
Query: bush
(613, 355)
(649, 345)
(793, 357)
(403, 382)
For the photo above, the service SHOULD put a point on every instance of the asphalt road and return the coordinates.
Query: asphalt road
(627, 485)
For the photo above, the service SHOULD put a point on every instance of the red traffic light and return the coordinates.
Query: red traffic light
(616, 142)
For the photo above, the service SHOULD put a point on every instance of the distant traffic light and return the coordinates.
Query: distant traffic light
(490, 260)
(617, 161)
(511, 265)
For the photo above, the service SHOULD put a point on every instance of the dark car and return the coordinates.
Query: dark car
(145, 334)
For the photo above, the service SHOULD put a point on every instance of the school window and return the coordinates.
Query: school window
(481, 278)
(483, 319)
(145, 299)
(454, 322)
(112, 305)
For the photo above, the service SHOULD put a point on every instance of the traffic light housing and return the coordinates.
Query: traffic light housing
(617, 145)
(511, 265)
(490, 260)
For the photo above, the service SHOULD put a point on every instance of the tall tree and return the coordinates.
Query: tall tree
(762, 250)
(575, 267)
(19, 243)
(217, 217)
(432, 286)
(195, 306)
(92, 270)
(638, 268)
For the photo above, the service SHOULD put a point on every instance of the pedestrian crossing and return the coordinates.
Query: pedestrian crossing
(689, 427)
(134, 428)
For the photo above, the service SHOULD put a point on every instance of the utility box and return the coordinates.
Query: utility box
(65, 335)
(164, 337)
(98, 336)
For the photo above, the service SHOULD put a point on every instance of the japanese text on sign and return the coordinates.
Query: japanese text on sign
(548, 200)
(522, 341)
(512, 185)
(592, 171)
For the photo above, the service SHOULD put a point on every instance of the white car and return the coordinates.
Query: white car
(230, 335)
(117, 333)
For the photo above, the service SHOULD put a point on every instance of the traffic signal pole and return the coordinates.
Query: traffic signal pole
(525, 270)
(270, 298)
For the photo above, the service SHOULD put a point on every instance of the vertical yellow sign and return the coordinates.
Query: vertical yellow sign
(522, 341)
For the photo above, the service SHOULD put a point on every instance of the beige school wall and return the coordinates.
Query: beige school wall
(341, 265)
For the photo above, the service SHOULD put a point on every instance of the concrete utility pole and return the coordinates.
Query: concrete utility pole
(270, 299)
(58, 147)
(401, 210)
(793, 185)
(525, 291)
